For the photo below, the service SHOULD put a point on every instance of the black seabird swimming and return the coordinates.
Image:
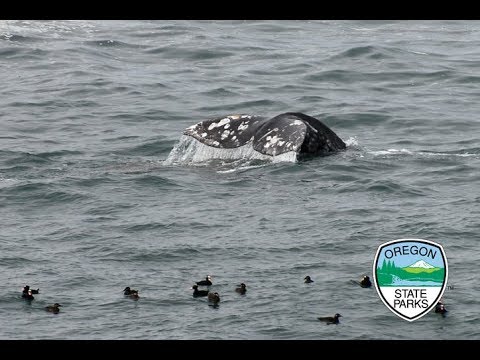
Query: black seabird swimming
(26, 288)
(330, 319)
(214, 298)
(365, 282)
(440, 308)
(128, 291)
(131, 293)
(242, 289)
(28, 295)
(308, 280)
(53, 308)
(206, 282)
(197, 293)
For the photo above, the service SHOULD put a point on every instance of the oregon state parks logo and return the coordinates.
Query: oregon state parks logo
(410, 276)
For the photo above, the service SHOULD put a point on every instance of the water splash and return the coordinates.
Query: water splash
(189, 151)
(351, 142)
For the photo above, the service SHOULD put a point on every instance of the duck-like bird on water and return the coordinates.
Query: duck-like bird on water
(365, 282)
(28, 295)
(440, 308)
(198, 293)
(131, 293)
(242, 289)
(331, 319)
(26, 289)
(53, 308)
(206, 282)
(214, 298)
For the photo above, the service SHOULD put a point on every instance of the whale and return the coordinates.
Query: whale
(290, 132)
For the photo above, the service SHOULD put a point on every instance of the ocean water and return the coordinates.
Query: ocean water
(91, 111)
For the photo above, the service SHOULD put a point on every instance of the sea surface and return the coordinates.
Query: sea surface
(91, 110)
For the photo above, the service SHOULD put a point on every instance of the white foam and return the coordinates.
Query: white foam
(351, 141)
(363, 29)
(6, 182)
(417, 52)
(446, 154)
(418, 153)
(392, 152)
(240, 168)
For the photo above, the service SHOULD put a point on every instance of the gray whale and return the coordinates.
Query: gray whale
(287, 132)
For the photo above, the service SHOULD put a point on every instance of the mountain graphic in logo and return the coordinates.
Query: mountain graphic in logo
(410, 276)
(420, 272)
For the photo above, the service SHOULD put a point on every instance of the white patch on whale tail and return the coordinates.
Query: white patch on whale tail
(222, 122)
(189, 151)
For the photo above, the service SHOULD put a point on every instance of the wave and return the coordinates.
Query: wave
(406, 152)
(112, 43)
